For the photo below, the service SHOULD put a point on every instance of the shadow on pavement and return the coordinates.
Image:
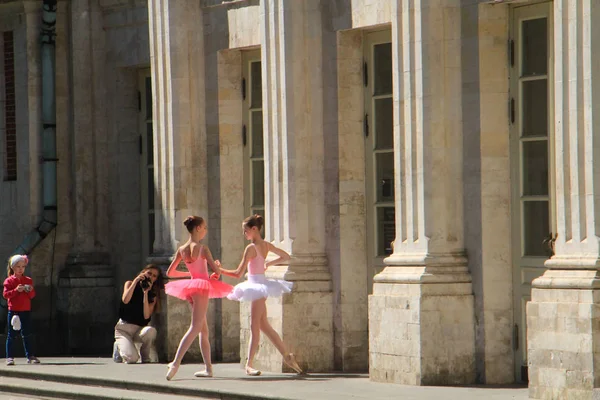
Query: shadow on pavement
(71, 363)
(267, 378)
(507, 386)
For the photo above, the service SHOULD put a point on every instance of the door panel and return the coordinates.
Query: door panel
(379, 147)
(531, 155)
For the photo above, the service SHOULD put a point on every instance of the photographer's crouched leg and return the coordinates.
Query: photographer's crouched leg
(148, 350)
(124, 341)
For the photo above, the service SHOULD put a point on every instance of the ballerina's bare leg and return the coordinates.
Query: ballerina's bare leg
(259, 322)
(199, 308)
(205, 350)
(274, 337)
(256, 311)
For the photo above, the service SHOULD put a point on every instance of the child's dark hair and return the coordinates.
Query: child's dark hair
(192, 222)
(254, 221)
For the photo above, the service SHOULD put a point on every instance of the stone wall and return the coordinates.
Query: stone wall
(127, 52)
(487, 187)
(313, 124)
(110, 158)
(110, 45)
(20, 201)
(350, 274)
(563, 333)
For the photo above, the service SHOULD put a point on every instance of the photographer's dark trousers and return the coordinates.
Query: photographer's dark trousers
(25, 332)
(127, 335)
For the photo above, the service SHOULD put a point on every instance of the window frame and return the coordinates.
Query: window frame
(248, 58)
(371, 39)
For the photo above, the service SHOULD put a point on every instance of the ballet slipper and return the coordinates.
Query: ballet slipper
(203, 374)
(171, 371)
(290, 361)
(252, 372)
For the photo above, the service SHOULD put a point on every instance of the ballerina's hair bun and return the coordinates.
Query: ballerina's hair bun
(254, 221)
(192, 222)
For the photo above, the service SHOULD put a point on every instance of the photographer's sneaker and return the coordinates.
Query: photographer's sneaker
(10, 361)
(33, 360)
(116, 355)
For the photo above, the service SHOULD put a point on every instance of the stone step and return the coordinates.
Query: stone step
(84, 387)
(58, 390)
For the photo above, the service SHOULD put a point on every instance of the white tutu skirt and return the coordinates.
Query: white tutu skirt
(258, 287)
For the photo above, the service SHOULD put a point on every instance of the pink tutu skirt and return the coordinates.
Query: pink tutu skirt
(258, 287)
(185, 288)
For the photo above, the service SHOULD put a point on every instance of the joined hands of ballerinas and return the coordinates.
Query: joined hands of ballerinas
(215, 275)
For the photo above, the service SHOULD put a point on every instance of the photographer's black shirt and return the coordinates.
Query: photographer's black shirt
(133, 312)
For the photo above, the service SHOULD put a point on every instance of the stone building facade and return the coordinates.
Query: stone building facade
(430, 165)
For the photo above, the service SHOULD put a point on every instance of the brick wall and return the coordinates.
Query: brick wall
(10, 160)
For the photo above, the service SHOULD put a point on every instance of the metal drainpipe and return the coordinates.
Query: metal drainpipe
(49, 215)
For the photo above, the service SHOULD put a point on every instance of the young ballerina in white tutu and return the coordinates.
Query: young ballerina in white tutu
(257, 288)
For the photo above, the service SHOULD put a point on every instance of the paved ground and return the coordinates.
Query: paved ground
(230, 380)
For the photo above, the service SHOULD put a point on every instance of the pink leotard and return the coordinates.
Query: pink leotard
(198, 268)
(256, 266)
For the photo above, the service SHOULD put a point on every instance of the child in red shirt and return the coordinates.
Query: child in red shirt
(18, 290)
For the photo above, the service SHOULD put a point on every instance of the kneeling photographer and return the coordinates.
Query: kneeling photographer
(139, 301)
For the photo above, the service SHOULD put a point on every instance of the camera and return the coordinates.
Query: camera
(145, 283)
(27, 288)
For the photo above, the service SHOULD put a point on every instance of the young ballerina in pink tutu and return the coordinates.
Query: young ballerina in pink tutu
(196, 290)
(257, 288)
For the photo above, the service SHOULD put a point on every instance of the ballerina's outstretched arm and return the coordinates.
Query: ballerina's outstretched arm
(215, 265)
(249, 253)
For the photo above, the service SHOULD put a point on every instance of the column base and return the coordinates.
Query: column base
(303, 318)
(86, 304)
(422, 327)
(563, 335)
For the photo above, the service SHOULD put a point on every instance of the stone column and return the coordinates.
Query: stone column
(86, 284)
(232, 211)
(294, 182)
(563, 333)
(180, 156)
(180, 159)
(421, 313)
